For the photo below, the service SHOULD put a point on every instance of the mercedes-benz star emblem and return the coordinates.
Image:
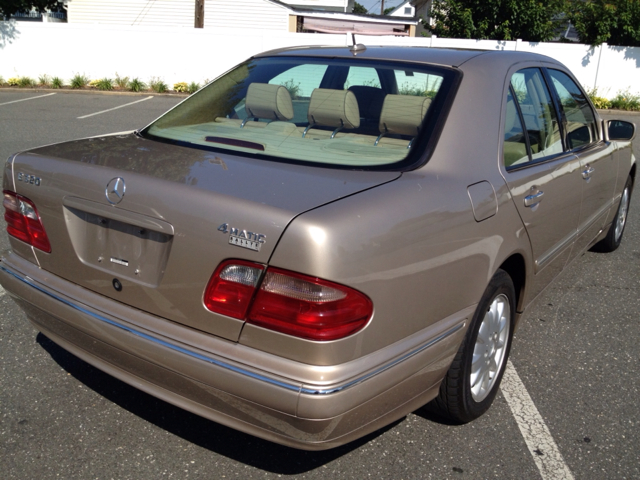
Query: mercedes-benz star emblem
(115, 190)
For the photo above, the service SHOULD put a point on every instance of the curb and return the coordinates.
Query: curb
(617, 112)
(93, 92)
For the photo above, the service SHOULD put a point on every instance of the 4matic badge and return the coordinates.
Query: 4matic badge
(243, 238)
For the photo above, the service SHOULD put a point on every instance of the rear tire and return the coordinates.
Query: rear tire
(614, 236)
(471, 384)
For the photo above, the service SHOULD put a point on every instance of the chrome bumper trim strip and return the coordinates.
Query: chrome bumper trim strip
(288, 386)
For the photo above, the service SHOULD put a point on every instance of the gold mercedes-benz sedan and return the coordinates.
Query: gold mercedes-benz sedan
(323, 239)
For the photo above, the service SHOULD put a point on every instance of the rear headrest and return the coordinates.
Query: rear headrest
(268, 101)
(403, 114)
(334, 108)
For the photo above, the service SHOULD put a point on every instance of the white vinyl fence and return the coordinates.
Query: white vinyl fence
(189, 54)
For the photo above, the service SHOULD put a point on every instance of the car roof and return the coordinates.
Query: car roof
(415, 54)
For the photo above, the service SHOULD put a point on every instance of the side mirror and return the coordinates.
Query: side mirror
(621, 130)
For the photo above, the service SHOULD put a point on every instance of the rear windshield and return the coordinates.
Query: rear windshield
(342, 112)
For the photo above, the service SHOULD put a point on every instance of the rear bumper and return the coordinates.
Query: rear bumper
(233, 384)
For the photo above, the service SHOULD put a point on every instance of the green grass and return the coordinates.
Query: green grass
(56, 82)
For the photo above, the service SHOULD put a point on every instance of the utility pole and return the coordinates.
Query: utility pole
(381, 7)
(199, 14)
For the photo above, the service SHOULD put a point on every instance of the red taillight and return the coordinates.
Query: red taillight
(23, 221)
(287, 302)
(231, 287)
(308, 307)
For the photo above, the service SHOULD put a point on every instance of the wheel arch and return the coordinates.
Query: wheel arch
(516, 268)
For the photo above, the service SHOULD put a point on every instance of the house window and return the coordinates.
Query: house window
(407, 10)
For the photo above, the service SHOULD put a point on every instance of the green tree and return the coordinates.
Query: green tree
(616, 22)
(529, 20)
(357, 8)
(9, 7)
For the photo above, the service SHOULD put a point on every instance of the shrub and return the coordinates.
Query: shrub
(104, 84)
(136, 85)
(1, 80)
(13, 82)
(293, 88)
(122, 82)
(44, 80)
(56, 82)
(193, 87)
(181, 87)
(598, 101)
(601, 102)
(626, 101)
(158, 86)
(25, 82)
(79, 81)
(93, 83)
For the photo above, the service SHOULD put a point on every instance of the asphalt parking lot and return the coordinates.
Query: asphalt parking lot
(575, 358)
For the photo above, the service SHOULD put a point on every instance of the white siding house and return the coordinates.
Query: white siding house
(405, 9)
(175, 13)
(263, 14)
(422, 11)
(241, 16)
(247, 15)
(344, 6)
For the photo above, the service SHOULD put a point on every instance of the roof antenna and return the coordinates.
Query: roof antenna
(356, 47)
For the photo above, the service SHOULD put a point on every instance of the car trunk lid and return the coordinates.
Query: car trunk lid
(146, 223)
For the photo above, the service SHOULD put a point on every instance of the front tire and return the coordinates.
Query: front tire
(472, 382)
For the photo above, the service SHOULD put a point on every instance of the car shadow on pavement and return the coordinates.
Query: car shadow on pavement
(430, 413)
(205, 433)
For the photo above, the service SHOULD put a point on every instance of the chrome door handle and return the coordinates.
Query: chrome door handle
(586, 174)
(531, 200)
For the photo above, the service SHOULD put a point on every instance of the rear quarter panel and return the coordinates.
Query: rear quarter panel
(412, 245)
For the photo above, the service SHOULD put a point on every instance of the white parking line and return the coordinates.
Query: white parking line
(2, 292)
(536, 435)
(25, 99)
(115, 108)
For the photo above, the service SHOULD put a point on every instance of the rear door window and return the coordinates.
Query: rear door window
(580, 123)
(536, 115)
